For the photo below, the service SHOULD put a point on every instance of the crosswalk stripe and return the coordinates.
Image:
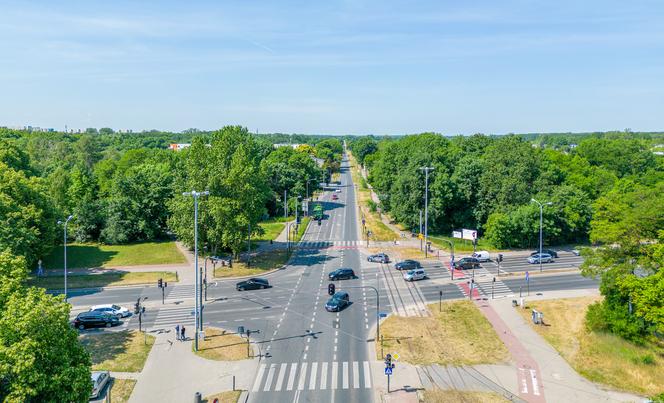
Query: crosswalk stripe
(303, 376)
(291, 376)
(259, 378)
(280, 378)
(356, 375)
(323, 376)
(312, 376)
(344, 376)
(367, 375)
(335, 372)
(270, 375)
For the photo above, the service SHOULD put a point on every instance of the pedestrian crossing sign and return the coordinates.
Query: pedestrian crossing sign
(388, 371)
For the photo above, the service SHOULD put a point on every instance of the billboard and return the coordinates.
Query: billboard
(457, 234)
(470, 234)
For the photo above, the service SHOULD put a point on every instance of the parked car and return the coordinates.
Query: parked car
(408, 264)
(536, 258)
(467, 263)
(252, 284)
(482, 256)
(341, 274)
(379, 258)
(334, 196)
(339, 301)
(553, 253)
(576, 252)
(414, 275)
(99, 381)
(89, 319)
(112, 309)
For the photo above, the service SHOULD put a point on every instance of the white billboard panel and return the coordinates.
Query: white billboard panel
(470, 234)
(457, 234)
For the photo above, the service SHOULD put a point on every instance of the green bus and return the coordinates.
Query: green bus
(318, 211)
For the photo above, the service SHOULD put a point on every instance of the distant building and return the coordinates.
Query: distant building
(179, 146)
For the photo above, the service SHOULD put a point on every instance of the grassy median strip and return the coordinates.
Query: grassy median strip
(260, 263)
(112, 279)
(458, 335)
(230, 396)
(600, 357)
(380, 231)
(461, 246)
(272, 230)
(87, 255)
(220, 345)
(301, 229)
(455, 396)
(124, 351)
(121, 390)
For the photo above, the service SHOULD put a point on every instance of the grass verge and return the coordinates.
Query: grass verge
(454, 396)
(460, 245)
(373, 223)
(302, 228)
(124, 351)
(458, 335)
(260, 263)
(222, 346)
(86, 255)
(230, 396)
(600, 357)
(121, 390)
(272, 230)
(102, 280)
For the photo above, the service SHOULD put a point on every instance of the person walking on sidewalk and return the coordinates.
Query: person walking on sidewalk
(182, 337)
(177, 332)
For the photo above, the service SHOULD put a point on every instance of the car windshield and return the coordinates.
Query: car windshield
(411, 272)
(116, 307)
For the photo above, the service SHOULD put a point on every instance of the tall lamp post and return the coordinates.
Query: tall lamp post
(65, 222)
(540, 232)
(426, 209)
(198, 311)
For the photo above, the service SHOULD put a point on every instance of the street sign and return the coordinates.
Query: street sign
(388, 371)
(457, 234)
(420, 236)
(527, 276)
(395, 356)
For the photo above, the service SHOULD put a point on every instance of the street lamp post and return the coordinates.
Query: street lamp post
(198, 311)
(540, 229)
(426, 209)
(65, 222)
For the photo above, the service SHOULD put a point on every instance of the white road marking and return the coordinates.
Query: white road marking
(335, 373)
(323, 376)
(367, 375)
(312, 376)
(270, 375)
(259, 378)
(356, 375)
(344, 375)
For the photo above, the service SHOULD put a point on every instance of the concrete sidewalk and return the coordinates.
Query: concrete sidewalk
(539, 364)
(173, 373)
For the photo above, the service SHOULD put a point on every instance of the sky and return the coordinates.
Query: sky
(334, 67)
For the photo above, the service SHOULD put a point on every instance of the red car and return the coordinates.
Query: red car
(335, 197)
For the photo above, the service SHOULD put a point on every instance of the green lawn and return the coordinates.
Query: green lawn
(124, 351)
(97, 255)
(460, 245)
(101, 280)
(260, 263)
(303, 227)
(272, 230)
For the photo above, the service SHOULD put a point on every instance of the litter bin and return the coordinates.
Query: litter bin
(197, 397)
(536, 315)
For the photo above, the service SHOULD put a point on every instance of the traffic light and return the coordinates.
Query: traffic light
(388, 360)
(319, 221)
(160, 283)
(330, 289)
(500, 257)
(136, 308)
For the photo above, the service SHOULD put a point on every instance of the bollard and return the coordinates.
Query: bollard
(197, 397)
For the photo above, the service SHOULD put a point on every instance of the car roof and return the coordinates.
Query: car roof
(97, 374)
(258, 279)
(101, 306)
(339, 294)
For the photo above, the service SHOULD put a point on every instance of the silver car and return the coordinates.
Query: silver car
(99, 381)
(544, 258)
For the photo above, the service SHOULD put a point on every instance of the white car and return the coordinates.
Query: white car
(482, 256)
(414, 275)
(112, 309)
(99, 381)
(338, 190)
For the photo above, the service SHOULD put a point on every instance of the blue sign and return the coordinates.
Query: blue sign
(382, 314)
(388, 371)
(527, 277)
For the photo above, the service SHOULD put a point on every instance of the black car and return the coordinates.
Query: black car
(341, 274)
(553, 253)
(339, 301)
(408, 265)
(379, 258)
(467, 263)
(252, 284)
(85, 320)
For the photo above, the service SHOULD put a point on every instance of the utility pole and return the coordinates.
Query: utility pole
(285, 203)
(65, 222)
(198, 312)
(420, 229)
(426, 209)
(540, 230)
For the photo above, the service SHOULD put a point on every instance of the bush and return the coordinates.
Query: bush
(372, 206)
(596, 318)
(616, 319)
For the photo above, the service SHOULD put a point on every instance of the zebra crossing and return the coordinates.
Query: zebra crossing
(328, 244)
(325, 375)
(180, 292)
(486, 285)
(169, 316)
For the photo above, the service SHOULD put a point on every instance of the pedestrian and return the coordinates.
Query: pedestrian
(183, 337)
(177, 332)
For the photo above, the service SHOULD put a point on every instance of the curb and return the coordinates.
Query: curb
(69, 290)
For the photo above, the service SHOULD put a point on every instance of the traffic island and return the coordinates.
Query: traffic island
(260, 263)
(220, 345)
(124, 351)
(455, 334)
(600, 357)
(102, 278)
